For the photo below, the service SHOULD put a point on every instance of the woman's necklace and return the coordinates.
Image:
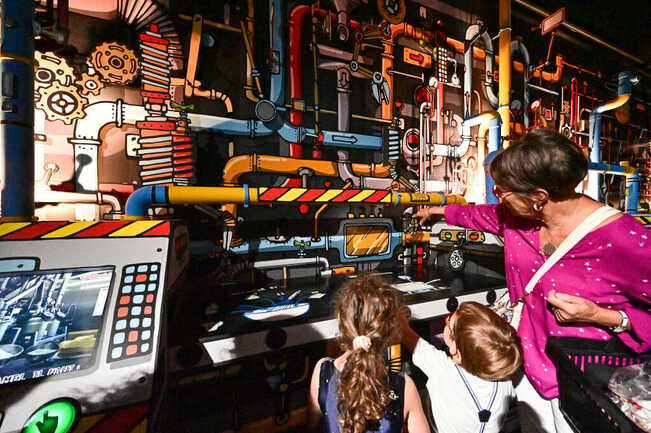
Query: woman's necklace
(548, 248)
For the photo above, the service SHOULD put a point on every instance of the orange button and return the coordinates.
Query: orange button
(147, 310)
(131, 349)
(122, 312)
(133, 336)
(141, 278)
(124, 300)
(149, 299)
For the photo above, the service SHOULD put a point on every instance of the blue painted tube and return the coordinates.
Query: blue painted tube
(610, 168)
(277, 88)
(633, 187)
(626, 80)
(143, 198)
(490, 183)
(17, 115)
(494, 135)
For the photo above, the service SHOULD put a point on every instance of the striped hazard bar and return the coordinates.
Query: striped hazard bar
(321, 195)
(644, 219)
(83, 229)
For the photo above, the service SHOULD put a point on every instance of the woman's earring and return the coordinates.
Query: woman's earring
(537, 207)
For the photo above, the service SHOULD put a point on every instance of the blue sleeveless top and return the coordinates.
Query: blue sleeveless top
(393, 414)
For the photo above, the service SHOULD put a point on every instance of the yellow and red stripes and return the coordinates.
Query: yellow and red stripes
(126, 420)
(83, 229)
(322, 195)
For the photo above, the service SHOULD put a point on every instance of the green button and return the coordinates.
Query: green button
(55, 417)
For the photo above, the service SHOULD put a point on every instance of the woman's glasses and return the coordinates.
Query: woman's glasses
(500, 193)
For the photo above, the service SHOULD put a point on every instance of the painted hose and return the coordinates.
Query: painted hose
(143, 198)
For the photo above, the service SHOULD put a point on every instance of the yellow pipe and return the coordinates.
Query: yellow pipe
(241, 164)
(505, 67)
(186, 195)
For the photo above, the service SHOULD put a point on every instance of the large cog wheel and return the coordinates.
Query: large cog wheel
(52, 68)
(116, 63)
(62, 103)
(90, 84)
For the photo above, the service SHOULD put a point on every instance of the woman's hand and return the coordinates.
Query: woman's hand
(568, 308)
(426, 213)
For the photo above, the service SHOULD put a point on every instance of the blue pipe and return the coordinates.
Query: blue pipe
(17, 114)
(626, 80)
(633, 190)
(277, 88)
(490, 183)
(143, 198)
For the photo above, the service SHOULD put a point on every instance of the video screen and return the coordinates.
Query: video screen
(50, 321)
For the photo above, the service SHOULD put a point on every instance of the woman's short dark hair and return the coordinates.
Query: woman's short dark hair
(542, 159)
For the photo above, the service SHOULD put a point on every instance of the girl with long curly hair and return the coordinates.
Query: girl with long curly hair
(356, 392)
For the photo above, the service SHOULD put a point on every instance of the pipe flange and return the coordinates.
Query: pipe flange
(265, 110)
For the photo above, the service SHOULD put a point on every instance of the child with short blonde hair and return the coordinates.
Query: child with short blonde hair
(469, 390)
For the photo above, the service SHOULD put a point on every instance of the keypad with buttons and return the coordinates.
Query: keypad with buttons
(134, 313)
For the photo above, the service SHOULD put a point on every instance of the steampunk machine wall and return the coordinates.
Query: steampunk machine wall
(186, 184)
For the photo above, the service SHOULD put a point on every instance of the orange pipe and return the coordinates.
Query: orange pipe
(242, 164)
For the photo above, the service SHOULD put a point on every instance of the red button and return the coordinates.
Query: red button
(122, 312)
(141, 278)
(124, 300)
(149, 299)
(147, 310)
(133, 336)
(131, 349)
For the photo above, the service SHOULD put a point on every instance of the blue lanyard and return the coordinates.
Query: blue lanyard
(484, 414)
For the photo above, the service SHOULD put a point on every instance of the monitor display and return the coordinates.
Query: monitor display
(50, 321)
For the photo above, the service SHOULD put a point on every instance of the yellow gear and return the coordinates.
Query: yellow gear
(90, 84)
(52, 68)
(61, 102)
(115, 63)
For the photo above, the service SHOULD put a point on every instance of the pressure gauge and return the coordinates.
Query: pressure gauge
(516, 106)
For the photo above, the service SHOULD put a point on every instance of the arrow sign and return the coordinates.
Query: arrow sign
(350, 139)
(417, 57)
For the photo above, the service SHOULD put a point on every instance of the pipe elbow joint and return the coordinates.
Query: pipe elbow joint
(143, 198)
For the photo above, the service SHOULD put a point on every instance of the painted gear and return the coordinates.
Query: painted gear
(115, 63)
(90, 84)
(393, 11)
(52, 68)
(61, 103)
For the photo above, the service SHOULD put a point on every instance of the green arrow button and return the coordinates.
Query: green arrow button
(54, 417)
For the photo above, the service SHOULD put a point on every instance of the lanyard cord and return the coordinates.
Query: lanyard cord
(484, 414)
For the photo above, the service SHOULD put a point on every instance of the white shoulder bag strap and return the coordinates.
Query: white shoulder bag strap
(586, 226)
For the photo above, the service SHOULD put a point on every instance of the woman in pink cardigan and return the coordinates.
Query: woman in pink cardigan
(600, 288)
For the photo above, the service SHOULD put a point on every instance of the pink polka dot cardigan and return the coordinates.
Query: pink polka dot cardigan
(610, 266)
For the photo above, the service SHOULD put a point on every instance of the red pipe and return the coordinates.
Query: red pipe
(62, 14)
(296, 18)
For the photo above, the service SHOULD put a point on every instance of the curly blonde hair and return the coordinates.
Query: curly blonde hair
(367, 306)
